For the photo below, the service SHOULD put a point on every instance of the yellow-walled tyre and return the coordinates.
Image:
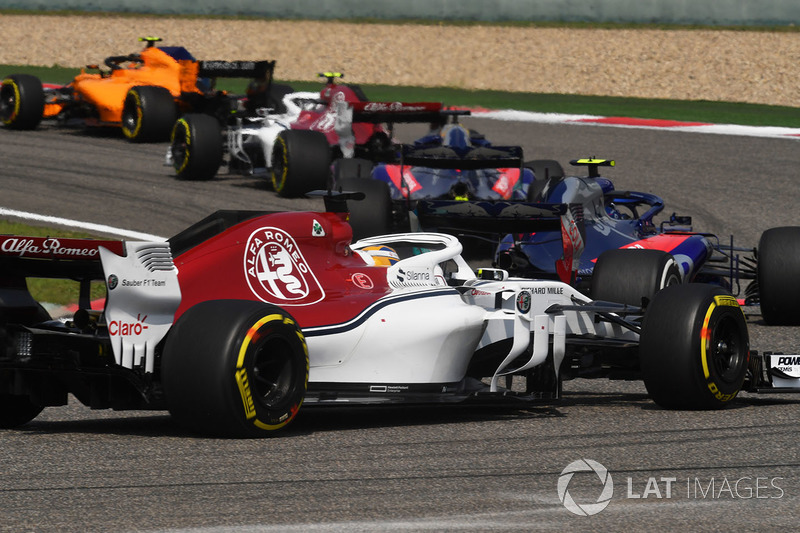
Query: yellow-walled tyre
(196, 147)
(301, 162)
(235, 368)
(148, 114)
(21, 102)
(694, 348)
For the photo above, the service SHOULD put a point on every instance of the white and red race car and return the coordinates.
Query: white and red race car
(291, 138)
(237, 321)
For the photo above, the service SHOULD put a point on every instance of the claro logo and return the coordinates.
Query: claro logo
(276, 270)
(128, 329)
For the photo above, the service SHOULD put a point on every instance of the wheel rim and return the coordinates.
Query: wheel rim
(130, 117)
(8, 103)
(128, 120)
(727, 350)
(179, 149)
(278, 166)
(273, 372)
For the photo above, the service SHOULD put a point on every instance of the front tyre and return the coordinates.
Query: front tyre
(779, 276)
(235, 368)
(301, 162)
(148, 114)
(629, 275)
(694, 347)
(21, 102)
(196, 147)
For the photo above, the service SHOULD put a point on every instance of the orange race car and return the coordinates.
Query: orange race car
(142, 93)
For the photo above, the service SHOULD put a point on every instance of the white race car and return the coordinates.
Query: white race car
(291, 137)
(236, 322)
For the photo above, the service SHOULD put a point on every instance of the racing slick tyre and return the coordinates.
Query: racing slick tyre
(694, 347)
(17, 410)
(148, 114)
(372, 215)
(779, 276)
(547, 173)
(628, 275)
(301, 162)
(196, 147)
(235, 367)
(21, 102)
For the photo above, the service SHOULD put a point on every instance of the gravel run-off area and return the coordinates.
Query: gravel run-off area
(723, 65)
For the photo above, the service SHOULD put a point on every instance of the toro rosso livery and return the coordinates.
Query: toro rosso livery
(450, 163)
(243, 318)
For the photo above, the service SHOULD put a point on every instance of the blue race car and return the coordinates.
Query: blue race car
(554, 226)
(450, 163)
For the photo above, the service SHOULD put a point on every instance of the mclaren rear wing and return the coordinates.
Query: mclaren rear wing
(257, 70)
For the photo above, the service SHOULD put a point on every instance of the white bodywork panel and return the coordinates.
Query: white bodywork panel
(426, 331)
(143, 295)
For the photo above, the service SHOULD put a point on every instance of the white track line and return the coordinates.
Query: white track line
(89, 226)
(651, 124)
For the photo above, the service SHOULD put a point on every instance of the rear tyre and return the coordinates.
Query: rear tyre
(196, 147)
(372, 215)
(235, 367)
(21, 102)
(351, 168)
(628, 275)
(16, 411)
(301, 162)
(148, 114)
(779, 276)
(694, 347)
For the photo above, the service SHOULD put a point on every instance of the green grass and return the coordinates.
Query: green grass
(691, 110)
(56, 291)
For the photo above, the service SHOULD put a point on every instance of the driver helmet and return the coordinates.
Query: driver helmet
(379, 255)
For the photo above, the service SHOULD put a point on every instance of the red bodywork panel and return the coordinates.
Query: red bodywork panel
(298, 261)
(323, 121)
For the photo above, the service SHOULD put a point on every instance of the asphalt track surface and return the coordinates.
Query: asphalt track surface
(421, 469)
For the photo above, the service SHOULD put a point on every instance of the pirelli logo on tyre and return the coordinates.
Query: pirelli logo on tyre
(276, 270)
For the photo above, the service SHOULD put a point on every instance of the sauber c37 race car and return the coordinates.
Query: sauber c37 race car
(142, 93)
(241, 319)
(293, 138)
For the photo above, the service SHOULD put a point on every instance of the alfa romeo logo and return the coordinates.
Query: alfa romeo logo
(276, 270)
(586, 509)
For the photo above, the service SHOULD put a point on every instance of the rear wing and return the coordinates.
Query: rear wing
(400, 112)
(389, 113)
(49, 257)
(488, 217)
(257, 70)
(142, 281)
(478, 158)
(502, 218)
(54, 257)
